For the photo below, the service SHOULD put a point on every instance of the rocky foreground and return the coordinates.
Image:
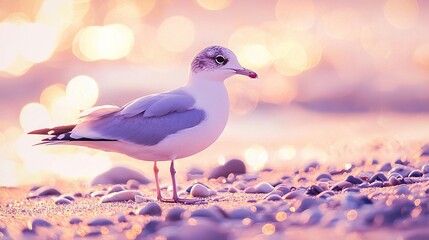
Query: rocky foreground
(369, 200)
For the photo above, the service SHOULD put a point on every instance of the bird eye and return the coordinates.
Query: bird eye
(220, 59)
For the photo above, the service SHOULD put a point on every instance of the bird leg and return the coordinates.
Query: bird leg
(175, 195)
(158, 190)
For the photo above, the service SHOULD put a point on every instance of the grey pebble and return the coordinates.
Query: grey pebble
(119, 175)
(376, 184)
(311, 166)
(67, 196)
(400, 169)
(38, 222)
(378, 177)
(394, 181)
(241, 213)
(75, 220)
(425, 169)
(341, 185)
(234, 166)
(98, 193)
(295, 194)
(152, 209)
(232, 190)
(93, 233)
(415, 173)
(314, 190)
(263, 187)
(326, 194)
(133, 184)
(211, 213)
(385, 167)
(354, 180)
(46, 191)
(100, 221)
(62, 200)
(282, 188)
(122, 218)
(324, 176)
(120, 196)
(273, 197)
(115, 188)
(174, 214)
(306, 203)
(402, 189)
(363, 185)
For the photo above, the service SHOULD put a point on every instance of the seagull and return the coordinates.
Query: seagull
(165, 126)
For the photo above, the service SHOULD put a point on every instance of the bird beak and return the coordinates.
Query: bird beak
(246, 72)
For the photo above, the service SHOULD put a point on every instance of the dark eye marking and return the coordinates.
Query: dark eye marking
(221, 60)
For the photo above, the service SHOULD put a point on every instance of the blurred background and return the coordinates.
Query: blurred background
(339, 81)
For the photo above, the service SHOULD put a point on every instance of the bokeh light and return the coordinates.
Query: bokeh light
(82, 92)
(296, 15)
(34, 116)
(176, 33)
(214, 4)
(256, 157)
(401, 14)
(109, 42)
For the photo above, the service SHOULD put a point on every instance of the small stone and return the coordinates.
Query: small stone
(363, 185)
(425, 168)
(241, 185)
(125, 195)
(115, 188)
(351, 189)
(141, 199)
(98, 193)
(326, 194)
(273, 197)
(400, 162)
(311, 166)
(341, 185)
(415, 173)
(235, 166)
(378, 177)
(211, 213)
(402, 189)
(62, 200)
(152, 209)
(263, 187)
(306, 203)
(122, 218)
(38, 222)
(400, 169)
(100, 221)
(374, 162)
(385, 167)
(196, 171)
(46, 191)
(174, 214)
(232, 190)
(75, 220)
(119, 175)
(324, 176)
(314, 190)
(376, 184)
(133, 184)
(67, 196)
(354, 180)
(283, 188)
(295, 194)
(241, 213)
(199, 190)
(394, 181)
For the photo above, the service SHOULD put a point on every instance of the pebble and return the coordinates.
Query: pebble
(211, 213)
(402, 170)
(241, 213)
(262, 187)
(121, 196)
(100, 221)
(133, 184)
(152, 209)
(306, 203)
(141, 199)
(232, 190)
(46, 191)
(341, 185)
(38, 222)
(115, 188)
(98, 193)
(234, 166)
(376, 184)
(425, 168)
(378, 177)
(282, 188)
(314, 190)
(200, 190)
(273, 197)
(119, 175)
(354, 180)
(394, 181)
(122, 218)
(295, 194)
(67, 196)
(402, 189)
(174, 214)
(311, 166)
(241, 185)
(326, 194)
(351, 189)
(324, 176)
(385, 167)
(415, 173)
(206, 230)
(62, 200)
(75, 220)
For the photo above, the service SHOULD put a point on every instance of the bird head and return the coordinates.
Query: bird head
(217, 63)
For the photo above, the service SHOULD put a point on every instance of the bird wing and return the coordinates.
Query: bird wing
(147, 120)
